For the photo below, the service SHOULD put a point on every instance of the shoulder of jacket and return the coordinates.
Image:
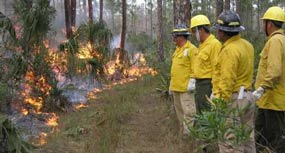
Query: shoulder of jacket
(277, 37)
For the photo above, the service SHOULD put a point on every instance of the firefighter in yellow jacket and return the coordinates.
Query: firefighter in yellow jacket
(209, 46)
(181, 74)
(234, 70)
(270, 85)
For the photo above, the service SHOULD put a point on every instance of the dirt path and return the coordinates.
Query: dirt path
(152, 129)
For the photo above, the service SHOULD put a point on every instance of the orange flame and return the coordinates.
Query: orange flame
(81, 105)
(25, 111)
(53, 120)
(42, 138)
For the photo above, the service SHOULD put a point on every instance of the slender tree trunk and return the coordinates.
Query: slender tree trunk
(124, 24)
(90, 10)
(73, 12)
(181, 11)
(101, 11)
(113, 18)
(133, 22)
(258, 16)
(146, 13)
(187, 11)
(67, 18)
(160, 32)
(175, 13)
(151, 20)
(219, 7)
(238, 7)
(227, 5)
(164, 8)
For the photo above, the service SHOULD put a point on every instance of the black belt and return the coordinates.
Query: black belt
(204, 79)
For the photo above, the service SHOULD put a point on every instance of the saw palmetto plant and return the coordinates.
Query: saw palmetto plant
(220, 125)
(10, 140)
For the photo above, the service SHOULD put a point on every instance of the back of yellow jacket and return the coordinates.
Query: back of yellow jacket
(234, 67)
(271, 73)
(182, 67)
(204, 62)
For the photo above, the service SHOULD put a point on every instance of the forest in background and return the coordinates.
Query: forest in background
(43, 41)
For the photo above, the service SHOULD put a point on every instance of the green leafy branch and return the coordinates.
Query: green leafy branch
(221, 124)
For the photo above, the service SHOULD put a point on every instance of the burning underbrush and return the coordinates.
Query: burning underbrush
(63, 80)
(31, 114)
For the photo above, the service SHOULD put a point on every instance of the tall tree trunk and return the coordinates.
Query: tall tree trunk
(238, 7)
(124, 24)
(101, 11)
(146, 12)
(164, 8)
(113, 18)
(187, 11)
(160, 32)
(90, 10)
(175, 13)
(151, 20)
(219, 7)
(227, 5)
(67, 18)
(258, 16)
(181, 11)
(132, 12)
(73, 12)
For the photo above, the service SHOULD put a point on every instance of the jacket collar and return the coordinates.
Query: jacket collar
(279, 31)
(234, 38)
(210, 37)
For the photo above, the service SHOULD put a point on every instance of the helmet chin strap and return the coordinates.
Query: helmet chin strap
(197, 35)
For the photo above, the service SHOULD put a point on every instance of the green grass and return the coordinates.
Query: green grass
(97, 128)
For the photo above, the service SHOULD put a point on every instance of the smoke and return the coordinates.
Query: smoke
(115, 42)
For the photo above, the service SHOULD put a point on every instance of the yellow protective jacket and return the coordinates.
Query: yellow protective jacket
(182, 67)
(234, 67)
(204, 62)
(271, 73)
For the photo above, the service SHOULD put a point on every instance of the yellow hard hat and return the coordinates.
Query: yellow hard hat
(199, 20)
(274, 13)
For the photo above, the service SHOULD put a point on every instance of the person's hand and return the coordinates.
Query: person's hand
(258, 93)
(191, 85)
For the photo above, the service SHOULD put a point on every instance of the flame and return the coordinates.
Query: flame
(85, 52)
(81, 105)
(42, 138)
(53, 120)
(41, 84)
(37, 102)
(24, 111)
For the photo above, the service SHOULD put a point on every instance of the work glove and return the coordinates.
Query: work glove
(169, 92)
(212, 96)
(191, 85)
(258, 93)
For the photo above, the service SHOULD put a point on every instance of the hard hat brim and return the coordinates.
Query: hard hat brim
(180, 33)
(229, 29)
(265, 18)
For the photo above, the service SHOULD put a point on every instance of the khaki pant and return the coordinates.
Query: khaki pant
(185, 108)
(246, 118)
